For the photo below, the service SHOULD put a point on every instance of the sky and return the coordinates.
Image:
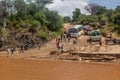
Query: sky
(66, 7)
(108, 3)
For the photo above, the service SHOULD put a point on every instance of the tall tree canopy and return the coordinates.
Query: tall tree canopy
(117, 8)
(76, 14)
(67, 19)
(42, 3)
(27, 16)
(95, 9)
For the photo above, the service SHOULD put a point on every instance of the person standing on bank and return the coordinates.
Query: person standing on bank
(69, 37)
(22, 49)
(12, 50)
(58, 44)
(8, 51)
(100, 42)
(61, 47)
(74, 42)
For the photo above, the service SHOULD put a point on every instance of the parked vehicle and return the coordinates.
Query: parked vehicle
(87, 30)
(76, 31)
(112, 41)
(95, 35)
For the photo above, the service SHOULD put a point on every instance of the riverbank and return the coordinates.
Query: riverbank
(83, 54)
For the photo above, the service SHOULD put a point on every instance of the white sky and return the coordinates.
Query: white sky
(66, 7)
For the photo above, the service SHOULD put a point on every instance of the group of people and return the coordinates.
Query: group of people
(59, 44)
(24, 46)
(10, 50)
(59, 41)
(66, 38)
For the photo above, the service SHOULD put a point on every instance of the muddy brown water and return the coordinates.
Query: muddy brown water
(26, 69)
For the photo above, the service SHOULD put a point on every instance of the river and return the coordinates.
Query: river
(28, 69)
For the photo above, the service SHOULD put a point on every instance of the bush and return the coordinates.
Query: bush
(117, 28)
(103, 32)
(41, 17)
(55, 34)
(94, 24)
(43, 35)
(102, 22)
(116, 19)
(35, 25)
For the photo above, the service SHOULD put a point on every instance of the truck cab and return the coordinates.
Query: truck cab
(95, 35)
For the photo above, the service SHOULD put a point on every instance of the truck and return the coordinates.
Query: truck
(95, 36)
(76, 31)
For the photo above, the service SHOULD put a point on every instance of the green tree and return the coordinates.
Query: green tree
(95, 9)
(35, 26)
(20, 5)
(41, 17)
(109, 13)
(116, 19)
(32, 8)
(21, 8)
(55, 21)
(42, 3)
(6, 8)
(66, 19)
(76, 14)
(117, 9)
